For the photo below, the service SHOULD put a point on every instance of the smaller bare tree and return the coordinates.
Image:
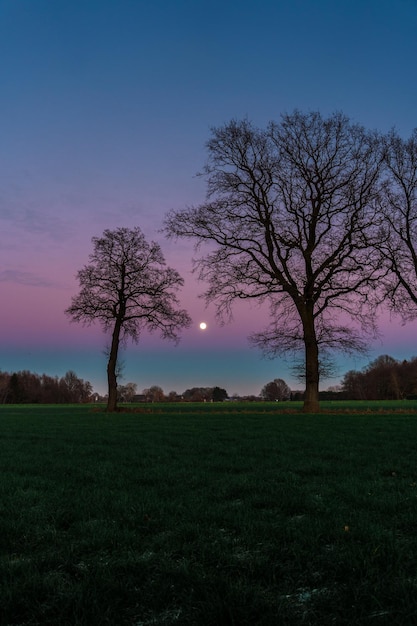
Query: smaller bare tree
(128, 288)
(277, 389)
(154, 394)
(127, 392)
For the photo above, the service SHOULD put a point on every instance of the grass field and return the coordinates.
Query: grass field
(209, 514)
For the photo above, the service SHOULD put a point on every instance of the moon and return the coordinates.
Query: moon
(203, 326)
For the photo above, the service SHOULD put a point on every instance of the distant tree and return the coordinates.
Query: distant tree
(205, 394)
(291, 219)
(4, 386)
(382, 378)
(126, 393)
(127, 287)
(398, 246)
(276, 390)
(16, 393)
(353, 385)
(154, 394)
(218, 394)
(38, 388)
(198, 394)
(75, 389)
(408, 377)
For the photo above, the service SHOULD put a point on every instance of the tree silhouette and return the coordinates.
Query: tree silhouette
(290, 219)
(277, 389)
(127, 287)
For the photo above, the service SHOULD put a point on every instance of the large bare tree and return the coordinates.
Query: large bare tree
(289, 219)
(399, 245)
(127, 287)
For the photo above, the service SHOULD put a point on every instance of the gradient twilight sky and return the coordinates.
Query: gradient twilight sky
(105, 109)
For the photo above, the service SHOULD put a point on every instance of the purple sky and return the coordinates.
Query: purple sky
(105, 108)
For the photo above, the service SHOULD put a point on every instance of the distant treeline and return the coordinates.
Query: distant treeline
(155, 393)
(29, 388)
(383, 379)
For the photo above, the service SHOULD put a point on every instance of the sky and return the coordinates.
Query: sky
(105, 110)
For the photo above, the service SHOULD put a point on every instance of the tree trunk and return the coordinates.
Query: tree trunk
(111, 369)
(311, 398)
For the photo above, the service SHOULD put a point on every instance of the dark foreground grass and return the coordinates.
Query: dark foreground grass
(207, 517)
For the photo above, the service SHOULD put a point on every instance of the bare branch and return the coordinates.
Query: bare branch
(398, 244)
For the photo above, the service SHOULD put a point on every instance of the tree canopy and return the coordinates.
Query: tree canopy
(290, 219)
(128, 288)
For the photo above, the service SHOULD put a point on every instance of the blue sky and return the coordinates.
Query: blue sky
(105, 109)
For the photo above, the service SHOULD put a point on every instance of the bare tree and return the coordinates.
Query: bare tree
(277, 389)
(77, 389)
(127, 287)
(385, 378)
(154, 394)
(399, 245)
(289, 218)
(126, 393)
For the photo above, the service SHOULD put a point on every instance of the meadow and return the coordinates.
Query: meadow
(208, 514)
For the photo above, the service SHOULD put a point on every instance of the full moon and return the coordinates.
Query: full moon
(203, 326)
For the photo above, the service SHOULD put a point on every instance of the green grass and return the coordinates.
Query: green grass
(208, 515)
